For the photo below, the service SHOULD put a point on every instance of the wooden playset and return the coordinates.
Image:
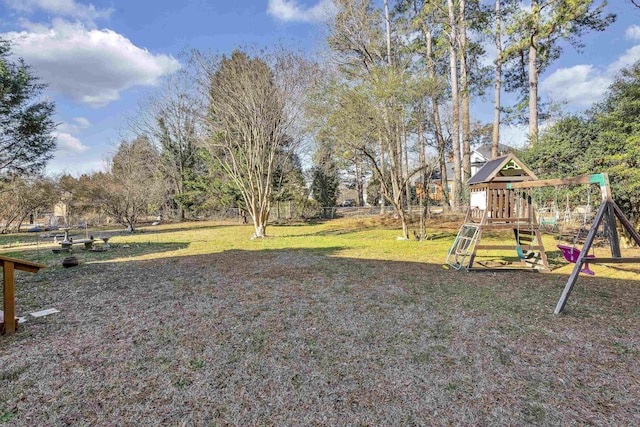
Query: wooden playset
(495, 206)
(501, 198)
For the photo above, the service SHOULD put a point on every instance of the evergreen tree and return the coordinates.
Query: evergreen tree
(26, 142)
(324, 176)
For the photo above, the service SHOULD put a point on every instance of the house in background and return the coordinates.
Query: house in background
(480, 156)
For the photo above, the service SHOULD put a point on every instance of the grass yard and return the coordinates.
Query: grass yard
(336, 323)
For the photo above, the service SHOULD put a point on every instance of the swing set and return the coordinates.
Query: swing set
(502, 198)
(571, 253)
(606, 217)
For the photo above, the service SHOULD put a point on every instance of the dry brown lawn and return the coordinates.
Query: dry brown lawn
(300, 331)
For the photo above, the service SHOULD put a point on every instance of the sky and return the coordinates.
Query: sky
(101, 58)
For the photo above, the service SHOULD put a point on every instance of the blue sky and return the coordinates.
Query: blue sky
(101, 58)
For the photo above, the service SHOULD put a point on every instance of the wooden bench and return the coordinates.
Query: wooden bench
(9, 265)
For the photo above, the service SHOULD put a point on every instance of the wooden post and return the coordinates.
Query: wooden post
(626, 224)
(9, 297)
(472, 258)
(581, 258)
(614, 241)
(9, 265)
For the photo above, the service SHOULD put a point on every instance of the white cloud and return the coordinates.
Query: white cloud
(68, 143)
(88, 65)
(81, 122)
(32, 27)
(514, 136)
(630, 57)
(289, 10)
(61, 8)
(632, 33)
(65, 164)
(78, 125)
(580, 85)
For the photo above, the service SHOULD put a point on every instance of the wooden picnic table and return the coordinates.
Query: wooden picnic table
(9, 265)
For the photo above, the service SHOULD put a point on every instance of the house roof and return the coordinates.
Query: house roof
(506, 169)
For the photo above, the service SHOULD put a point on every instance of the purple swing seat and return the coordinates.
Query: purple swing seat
(571, 254)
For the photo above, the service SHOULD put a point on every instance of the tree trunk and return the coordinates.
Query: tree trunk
(407, 187)
(382, 169)
(405, 225)
(260, 216)
(437, 123)
(260, 230)
(495, 141)
(402, 216)
(464, 98)
(398, 170)
(359, 184)
(388, 27)
(533, 77)
(455, 121)
(395, 159)
(424, 196)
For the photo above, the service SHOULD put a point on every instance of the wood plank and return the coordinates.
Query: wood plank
(514, 220)
(583, 179)
(501, 225)
(9, 297)
(625, 222)
(513, 179)
(612, 260)
(614, 241)
(496, 186)
(509, 247)
(18, 264)
(506, 268)
(475, 248)
(543, 254)
(512, 205)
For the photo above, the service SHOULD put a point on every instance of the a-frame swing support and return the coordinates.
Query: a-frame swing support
(608, 212)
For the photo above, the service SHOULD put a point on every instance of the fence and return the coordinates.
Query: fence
(286, 211)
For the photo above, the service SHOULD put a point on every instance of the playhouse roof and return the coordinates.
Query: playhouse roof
(503, 169)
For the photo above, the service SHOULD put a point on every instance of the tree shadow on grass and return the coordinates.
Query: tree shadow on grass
(118, 251)
(177, 228)
(510, 292)
(343, 338)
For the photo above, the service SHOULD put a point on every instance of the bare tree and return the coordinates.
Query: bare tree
(171, 119)
(373, 109)
(254, 107)
(22, 196)
(133, 187)
(423, 19)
